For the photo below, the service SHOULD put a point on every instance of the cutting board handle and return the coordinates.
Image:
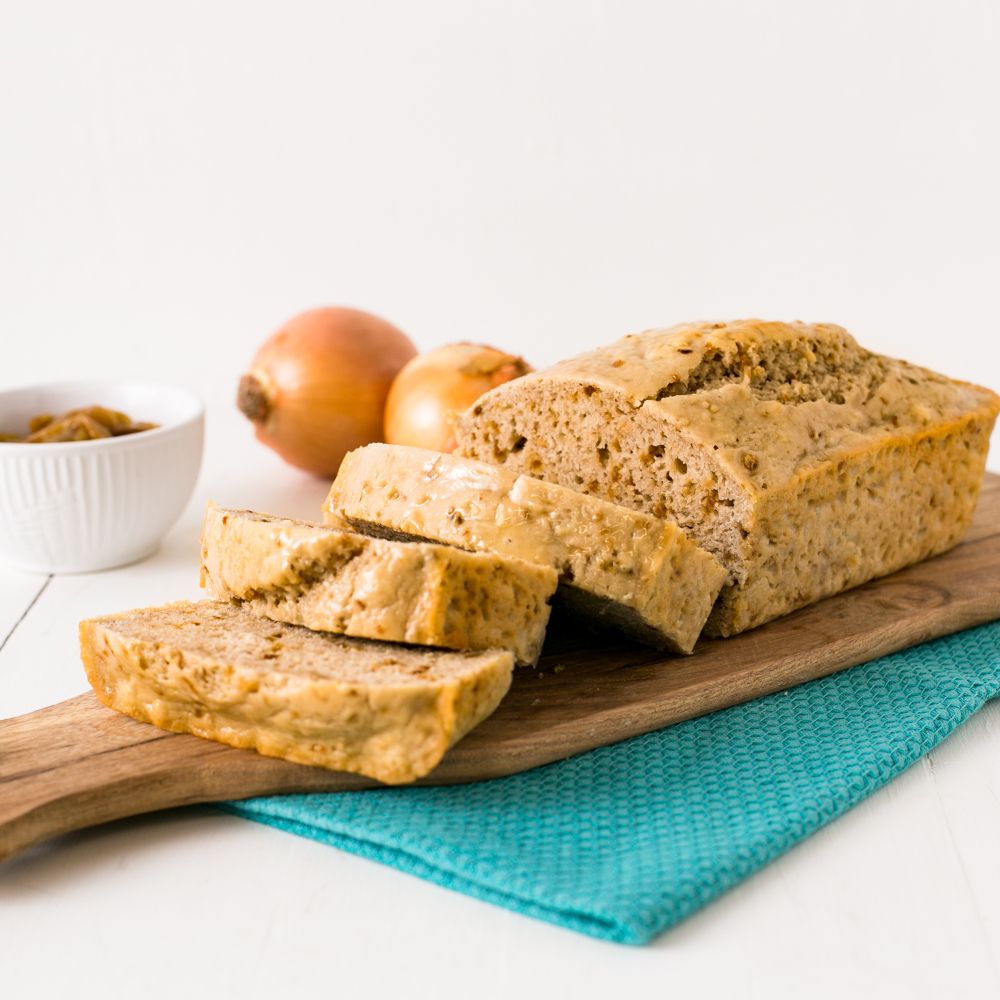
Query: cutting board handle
(66, 767)
(77, 764)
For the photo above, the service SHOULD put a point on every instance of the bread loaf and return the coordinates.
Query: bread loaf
(336, 581)
(218, 671)
(804, 462)
(617, 565)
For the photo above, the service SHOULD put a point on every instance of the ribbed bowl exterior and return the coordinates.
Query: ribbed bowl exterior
(71, 509)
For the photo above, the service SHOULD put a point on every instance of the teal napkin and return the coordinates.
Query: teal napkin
(627, 840)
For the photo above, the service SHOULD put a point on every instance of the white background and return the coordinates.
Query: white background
(178, 178)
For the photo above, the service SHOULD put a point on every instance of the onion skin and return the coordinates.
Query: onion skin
(434, 387)
(317, 388)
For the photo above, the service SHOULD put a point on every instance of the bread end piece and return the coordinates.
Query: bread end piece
(805, 463)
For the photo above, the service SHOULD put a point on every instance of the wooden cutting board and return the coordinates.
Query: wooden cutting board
(78, 764)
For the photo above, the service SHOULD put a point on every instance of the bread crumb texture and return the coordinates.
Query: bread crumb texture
(336, 581)
(804, 462)
(218, 671)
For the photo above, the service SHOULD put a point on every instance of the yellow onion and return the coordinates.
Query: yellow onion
(434, 387)
(317, 388)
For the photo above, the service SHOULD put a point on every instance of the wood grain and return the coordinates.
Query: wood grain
(78, 764)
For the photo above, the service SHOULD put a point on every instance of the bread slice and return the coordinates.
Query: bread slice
(620, 566)
(806, 463)
(218, 671)
(336, 581)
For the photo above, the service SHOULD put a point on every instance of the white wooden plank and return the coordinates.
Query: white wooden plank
(17, 592)
(965, 775)
(41, 662)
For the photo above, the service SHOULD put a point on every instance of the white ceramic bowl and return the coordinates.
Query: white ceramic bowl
(89, 505)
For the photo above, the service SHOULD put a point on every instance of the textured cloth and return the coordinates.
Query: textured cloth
(625, 841)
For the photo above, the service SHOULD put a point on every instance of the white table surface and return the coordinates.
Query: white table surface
(177, 179)
(899, 897)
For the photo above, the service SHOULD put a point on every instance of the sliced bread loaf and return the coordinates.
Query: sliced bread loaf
(218, 671)
(618, 565)
(337, 581)
(806, 463)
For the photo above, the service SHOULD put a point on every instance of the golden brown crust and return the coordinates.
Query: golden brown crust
(772, 444)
